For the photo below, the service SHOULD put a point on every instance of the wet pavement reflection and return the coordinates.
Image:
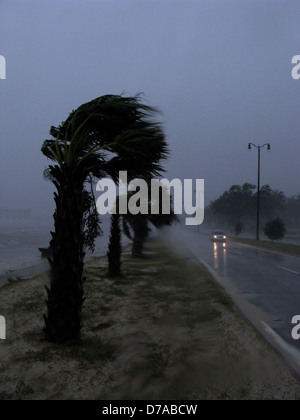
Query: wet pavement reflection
(220, 257)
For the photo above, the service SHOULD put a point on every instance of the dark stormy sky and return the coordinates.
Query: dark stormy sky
(220, 72)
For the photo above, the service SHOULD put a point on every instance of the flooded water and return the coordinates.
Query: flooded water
(20, 240)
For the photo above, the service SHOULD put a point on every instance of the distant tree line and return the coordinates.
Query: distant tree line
(236, 207)
(292, 211)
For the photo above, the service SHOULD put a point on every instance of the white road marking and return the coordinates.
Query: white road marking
(288, 348)
(290, 271)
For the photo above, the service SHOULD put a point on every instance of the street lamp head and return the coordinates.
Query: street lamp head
(269, 146)
(249, 146)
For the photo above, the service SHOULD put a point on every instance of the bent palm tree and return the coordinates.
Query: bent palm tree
(80, 146)
(136, 227)
(143, 161)
(114, 247)
(77, 160)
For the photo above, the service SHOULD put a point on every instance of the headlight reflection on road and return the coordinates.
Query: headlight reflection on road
(220, 257)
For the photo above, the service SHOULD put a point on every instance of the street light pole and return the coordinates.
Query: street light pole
(258, 196)
(258, 147)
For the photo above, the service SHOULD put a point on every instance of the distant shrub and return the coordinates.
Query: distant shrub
(275, 229)
(238, 228)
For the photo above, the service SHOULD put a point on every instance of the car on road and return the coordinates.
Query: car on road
(218, 236)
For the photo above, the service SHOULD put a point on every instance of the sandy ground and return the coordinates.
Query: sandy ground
(165, 330)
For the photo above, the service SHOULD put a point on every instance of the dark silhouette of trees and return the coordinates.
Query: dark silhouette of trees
(272, 202)
(138, 226)
(76, 160)
(114, 247)
(235, 204)
(275, 229)
(143, 161)
(238, 228)
(238, 204)
(98, 138)
(292, 215)
(141, 225)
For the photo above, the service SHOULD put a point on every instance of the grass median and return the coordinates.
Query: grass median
(164, 330)
(289, 249)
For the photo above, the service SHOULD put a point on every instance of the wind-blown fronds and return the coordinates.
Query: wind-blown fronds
(101, 137)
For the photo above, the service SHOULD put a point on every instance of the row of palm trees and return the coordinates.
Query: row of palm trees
(136, 228)
(107, 135)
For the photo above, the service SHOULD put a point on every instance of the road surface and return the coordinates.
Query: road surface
(264, 285)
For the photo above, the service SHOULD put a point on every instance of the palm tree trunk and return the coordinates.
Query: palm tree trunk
(114, 247)
(141, 231)
(65, 296)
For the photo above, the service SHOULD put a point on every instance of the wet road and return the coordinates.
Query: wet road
(264, 285)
